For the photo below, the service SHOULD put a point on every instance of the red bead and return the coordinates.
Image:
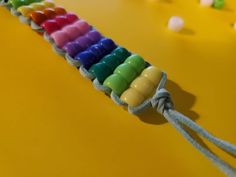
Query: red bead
(50, 26)
(71, 17)
(38, 17)
(62, 20)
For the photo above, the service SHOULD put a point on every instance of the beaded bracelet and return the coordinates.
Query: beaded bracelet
(128, 79)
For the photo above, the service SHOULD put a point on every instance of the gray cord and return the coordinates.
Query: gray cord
(163, 104)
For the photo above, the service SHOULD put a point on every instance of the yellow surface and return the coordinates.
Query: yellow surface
(53, 123)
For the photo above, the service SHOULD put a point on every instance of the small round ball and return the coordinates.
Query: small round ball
(206, 3)
(176, 23)
(234, 25)
(218, 4)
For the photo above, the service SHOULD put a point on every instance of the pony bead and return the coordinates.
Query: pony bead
(60, 10)
(95, 53)
(28, 9)
(142, 87)
(102, 57)
(125, 73)
(18, 3)
(107, 65)
(50, 26)
(69, 33)
(38, 17)
(81, 43)
(50, 13)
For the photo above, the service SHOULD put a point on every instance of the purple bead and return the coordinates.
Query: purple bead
(84, 42)
(72, 48)
(94, 36)
(96, 52)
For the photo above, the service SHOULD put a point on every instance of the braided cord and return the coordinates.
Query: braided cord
(163, 104)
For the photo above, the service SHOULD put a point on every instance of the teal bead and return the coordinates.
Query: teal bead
(218, 4)
(101, 71)
(111, 61)
(121, 53)
(127, 71)
(137, 62)
(116, 83)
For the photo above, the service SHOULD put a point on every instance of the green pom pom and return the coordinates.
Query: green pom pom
(219, 4)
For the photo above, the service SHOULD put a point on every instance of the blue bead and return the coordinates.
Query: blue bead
(108, 44)
(86, 58)
(98, 50)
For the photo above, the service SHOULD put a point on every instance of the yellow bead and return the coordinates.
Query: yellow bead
(25, 10)
(48, 4)
(37, 6)
(143, 86)
(153, 74)
(132, 97)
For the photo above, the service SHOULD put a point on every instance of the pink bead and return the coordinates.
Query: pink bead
(60, 38)
(71, 17)
(72, 31)
(83, 26)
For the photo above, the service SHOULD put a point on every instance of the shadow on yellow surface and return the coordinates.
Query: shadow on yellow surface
(184, 101)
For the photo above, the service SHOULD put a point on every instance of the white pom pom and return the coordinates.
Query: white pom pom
(176, 23)
(234, 25)
(206, 3)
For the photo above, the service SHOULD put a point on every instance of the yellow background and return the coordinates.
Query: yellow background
(53, 123)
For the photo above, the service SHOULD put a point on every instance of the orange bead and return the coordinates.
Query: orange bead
(49, 12)
(38, 17)
(60, 10)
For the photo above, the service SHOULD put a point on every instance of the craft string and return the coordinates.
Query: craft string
(163, 104)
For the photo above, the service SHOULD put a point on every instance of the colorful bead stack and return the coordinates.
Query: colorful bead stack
(126, 76)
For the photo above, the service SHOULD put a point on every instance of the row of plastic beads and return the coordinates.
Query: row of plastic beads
(95, 53)
(18, 3)
(114, 67)
(125, 73)
(142, 87)
(28, 9)
(109, 63)
(82, 42)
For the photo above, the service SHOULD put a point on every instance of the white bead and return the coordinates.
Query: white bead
(206, 3)
(176, 23)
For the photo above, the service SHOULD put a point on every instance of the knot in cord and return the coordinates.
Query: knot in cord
(161, 101)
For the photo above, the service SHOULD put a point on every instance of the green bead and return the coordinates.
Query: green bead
(101, 71)
(127, 71)
(18, 3)
(218, 4)
(116, 83)
(109, 63)
(137, 62)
